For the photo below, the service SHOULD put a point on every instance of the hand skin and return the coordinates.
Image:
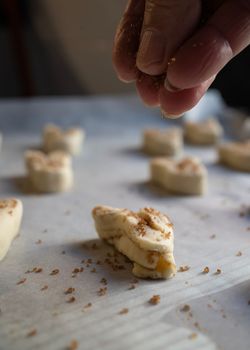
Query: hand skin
(173, 49)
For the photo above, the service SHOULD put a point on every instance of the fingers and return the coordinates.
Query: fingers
(208, 51)
(166, 24)
(148, 88)
(126, 41)
(174, 104)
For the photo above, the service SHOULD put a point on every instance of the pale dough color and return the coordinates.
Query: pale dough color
(146, 237)
(11, 212)
(235, 155)
(187, 176)
(166, 142)
(207, 132)
(49, 173)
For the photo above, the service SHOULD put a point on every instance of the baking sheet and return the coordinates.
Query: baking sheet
(58, 233)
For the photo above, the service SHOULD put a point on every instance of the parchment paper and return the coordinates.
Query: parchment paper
(58, 233)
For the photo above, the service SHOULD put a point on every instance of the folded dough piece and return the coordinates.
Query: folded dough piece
(167, 142)
(55, 139)
(186, 176)
(145, 237)
(49, 173)
(11, 212)
(206, 132)
(235, 155)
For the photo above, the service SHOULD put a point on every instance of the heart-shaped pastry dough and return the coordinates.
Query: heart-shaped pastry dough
(55, 139)
(49, 173)
(235, 155)
(186, 176)
(11, 212)
(146, 237)
(166, 142)
(206, 132)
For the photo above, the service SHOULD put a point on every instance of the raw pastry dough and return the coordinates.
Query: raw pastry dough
(49, 173)
(11, 212)
(163, 142)
(206, 132)
(235, 155)
(55, 139)
(186, 176)
(145, 237)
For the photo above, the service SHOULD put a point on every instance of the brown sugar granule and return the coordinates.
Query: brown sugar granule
(71, 300)
(205, 270)
(239, 253)
(102, 291)
(98, 262)
(93, 270)
(218, 272)
(123, 311)
(131, 287)
(44, 288)
(69, 290)
(63, 252)
(76, 270)
(54, 272)
(83, 261)
(73, 345)
(89, 261)
(185, 308)
(38, 270)
(184, 268)
(87, 306)
(22, 281)
(81, 269)
(39, 241)
(154, 300)
(212, 236)
(104, 281)
(192, 336)
(32, 333)
(94, 246)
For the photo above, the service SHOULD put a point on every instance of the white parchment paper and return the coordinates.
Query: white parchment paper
(208, 232)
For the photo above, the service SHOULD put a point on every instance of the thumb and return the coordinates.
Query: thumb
(166, 24)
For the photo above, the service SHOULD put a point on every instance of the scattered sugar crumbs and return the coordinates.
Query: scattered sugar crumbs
(32, 333)
(73, 345)
(239, 253)
(35, 270)
(45, 287)
(22, 281)
(70, 290)
(71, 300)
(54, 272)
(185, 308)
(102, 291)
(218, 272)
(39, 241)
(205, 270)
(155, 299)
(123, 311)
(212, 237)
(87, 306)
(183, 268)
(104, 281)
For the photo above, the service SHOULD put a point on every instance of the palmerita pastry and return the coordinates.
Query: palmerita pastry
(49, 173)
(146, 237)
(11, 212)
(166, 142)
(235, 155)
(55, 139)
(186, 176)
(207, 132)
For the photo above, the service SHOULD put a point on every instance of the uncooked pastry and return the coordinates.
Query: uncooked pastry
(146, 237)
(166, 142)
(11, 212)
(235, 155)
(206, 132)
(186, 176)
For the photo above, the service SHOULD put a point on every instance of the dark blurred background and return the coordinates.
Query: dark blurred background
(61, 47)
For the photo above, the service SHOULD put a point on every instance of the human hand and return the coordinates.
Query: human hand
(173, 49)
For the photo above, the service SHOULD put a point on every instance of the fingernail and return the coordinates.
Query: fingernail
(169, 115)
(171, 88)
(151, 50)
